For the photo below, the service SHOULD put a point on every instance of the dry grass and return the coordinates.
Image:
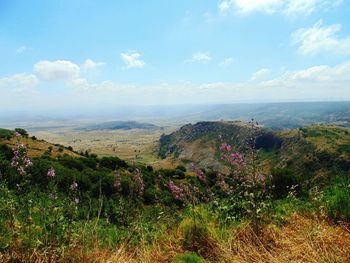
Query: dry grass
(301, 239)
(131, 145)
(36, 148)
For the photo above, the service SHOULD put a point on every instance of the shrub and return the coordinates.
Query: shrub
(21, 131)
(188, 257)
(337, 200)
(181, 167)
(195, 234)
(283, 179)
(7, 134)
(72, 163)
(113, 163)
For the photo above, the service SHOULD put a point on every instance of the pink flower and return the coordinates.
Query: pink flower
(117, 180)
(20, 161)
(139, 183)
(177, 191)
(221, 183)
(200, 175)
(51, 172)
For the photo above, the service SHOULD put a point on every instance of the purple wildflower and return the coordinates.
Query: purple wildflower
(233, 158)
(221, 183)
(139, 183)
(117, 180)
(51, 172)
(177, 191)
(200, 175)
(20, 161)
(225, 147)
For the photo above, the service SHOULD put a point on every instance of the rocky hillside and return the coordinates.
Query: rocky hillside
(310, 150)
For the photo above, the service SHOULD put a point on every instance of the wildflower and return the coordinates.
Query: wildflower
(177, 191)
(139, 183)
(117, 180)
(200, 175)
(233, 158)
(225, 147)
(52, 196)
(20, 161)
(74, 186)
(17, 134)
(261, 178)
(221, 183)
(51, 172)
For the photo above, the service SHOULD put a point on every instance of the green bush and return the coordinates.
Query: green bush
(112, 163)
(188, 257)
(7, 134)
(195, 234)
(283, 180)
(23, 132)
(337, 199)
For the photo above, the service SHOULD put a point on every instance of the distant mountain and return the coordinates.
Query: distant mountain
(279, 115)
(282, 115)
(119, 125)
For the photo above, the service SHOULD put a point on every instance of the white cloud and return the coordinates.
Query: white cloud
(250, 6)
(317, 78)
(322, 82)
(305, 7)
(21, 49)
(320, 38)
(319, 82)
(199, 57)
(287, 7)
(260, 75)
(63, 70)
(132, 59)
(19, 82)
(90, 65)
(226, 62)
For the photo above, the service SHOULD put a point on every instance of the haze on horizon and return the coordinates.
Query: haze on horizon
(68, 55)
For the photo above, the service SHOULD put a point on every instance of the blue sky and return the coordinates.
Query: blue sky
(93, 53)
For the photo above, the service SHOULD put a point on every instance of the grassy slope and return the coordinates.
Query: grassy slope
(298, 146)
(36, 148)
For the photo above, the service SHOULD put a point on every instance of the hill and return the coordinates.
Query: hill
(103, 207)
(36, 148)
(119, 125)
(278, 115)
(313, 149)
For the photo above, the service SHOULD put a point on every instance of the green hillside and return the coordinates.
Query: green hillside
(310, 150)
(283, 196)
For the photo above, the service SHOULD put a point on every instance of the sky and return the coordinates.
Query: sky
(70, 54)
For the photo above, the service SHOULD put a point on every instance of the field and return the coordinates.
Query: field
(139, 145)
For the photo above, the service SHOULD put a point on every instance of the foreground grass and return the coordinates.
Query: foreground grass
(299, 239)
